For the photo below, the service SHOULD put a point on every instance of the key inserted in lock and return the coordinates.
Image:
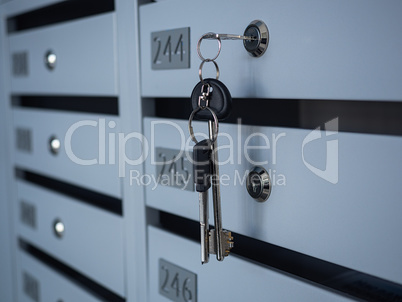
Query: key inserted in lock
(255, 39)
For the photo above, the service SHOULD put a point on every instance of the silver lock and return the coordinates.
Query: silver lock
(257, 47)
(54, 145)
(50, 59)
(259, 184)
(58, 228)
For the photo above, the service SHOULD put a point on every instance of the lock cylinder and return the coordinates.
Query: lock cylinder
(259, 184)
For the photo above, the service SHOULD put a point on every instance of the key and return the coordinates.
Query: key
(218, 99)
(202, 180)
(211, 101)
(220, 241)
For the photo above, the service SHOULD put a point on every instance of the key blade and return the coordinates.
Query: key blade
(204, 226)
(216, 194)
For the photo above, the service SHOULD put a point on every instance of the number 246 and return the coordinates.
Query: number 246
(174, 285)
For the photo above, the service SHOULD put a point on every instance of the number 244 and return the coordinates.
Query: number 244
(167, 49)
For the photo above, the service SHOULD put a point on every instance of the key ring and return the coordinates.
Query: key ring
(190, 121)
(209, 36)
(202, 64)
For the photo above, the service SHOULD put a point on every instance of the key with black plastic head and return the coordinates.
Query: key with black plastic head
(202, 179)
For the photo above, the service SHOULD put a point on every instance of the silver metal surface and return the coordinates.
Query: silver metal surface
(54, 145)
(204, 226)
(200, 69)
(211, 36)
(170, 49)
(258, 184)
(58, 228)
(255, 40)
(256, 47)
(24, 139)
(190, 127)
(204, 96)
(50, 59)
(20, 63)
(216, 193)
(208, 36)
(173, 169)
(176, 283)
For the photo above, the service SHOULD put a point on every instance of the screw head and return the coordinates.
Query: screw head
(50, 59)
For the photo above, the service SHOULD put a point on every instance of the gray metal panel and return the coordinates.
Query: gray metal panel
(93, 239)
(230, 280)
(354, 223)
(85, 51)
(7, 246)
(130, 109)
(317, 49)
(52, 286)
(101, 174)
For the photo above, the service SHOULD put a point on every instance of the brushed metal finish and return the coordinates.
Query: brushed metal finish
(259, 184)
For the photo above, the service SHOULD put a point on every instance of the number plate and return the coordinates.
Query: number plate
(176, 283)
(171, 49)
(31, 286)
(28, 214)
(174, 169)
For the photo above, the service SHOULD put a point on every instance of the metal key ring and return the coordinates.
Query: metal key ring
(202, 64)
(209, 36)
(190, 121)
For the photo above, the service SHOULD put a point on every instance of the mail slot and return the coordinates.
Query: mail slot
(74, 148)
(317, 50)
(325, 211)
(76, 57)
(174, 261)
(39, 283)
(83, 236)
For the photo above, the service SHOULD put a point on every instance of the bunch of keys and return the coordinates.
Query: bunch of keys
(211, 101)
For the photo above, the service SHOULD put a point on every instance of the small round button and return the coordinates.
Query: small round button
(54, 145)
(259, 184)
(58, 228)
(50, 60)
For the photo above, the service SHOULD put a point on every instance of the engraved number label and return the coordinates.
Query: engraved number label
(176, 283)
(171, 49)
(174, 169)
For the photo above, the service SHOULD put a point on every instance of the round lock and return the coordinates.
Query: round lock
(258, 29)
(54, 145)
(259, 184)
(50, 60)
(58, 228)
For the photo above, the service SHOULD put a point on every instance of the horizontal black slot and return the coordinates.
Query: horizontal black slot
(92, 198)
(325, 274)
(102, 105)
(59, 12)
(373, 117)
(69, 273)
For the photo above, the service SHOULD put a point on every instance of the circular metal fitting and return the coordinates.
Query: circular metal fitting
(58, 228)
(54, 145)
(257, 47)
(50, 59)
(208, 36)
(202, 65)
(190, 122)
(258, 184)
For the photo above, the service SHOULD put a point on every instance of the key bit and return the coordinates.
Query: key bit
(226, 242)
